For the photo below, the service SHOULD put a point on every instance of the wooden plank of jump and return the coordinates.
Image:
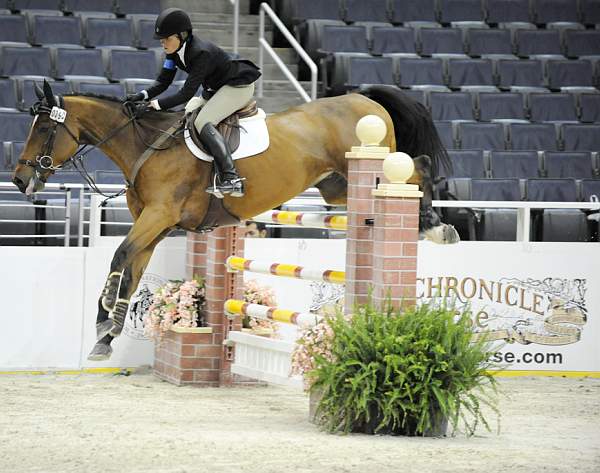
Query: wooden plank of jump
(234, 307)
(304, 219)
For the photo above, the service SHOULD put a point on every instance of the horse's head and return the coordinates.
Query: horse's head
(51, 142)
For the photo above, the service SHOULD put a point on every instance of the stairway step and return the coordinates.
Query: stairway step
(223, 18)
(287, 55)
(224, 37)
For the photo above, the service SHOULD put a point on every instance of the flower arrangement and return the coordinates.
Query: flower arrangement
(175, 304)
(254, 293)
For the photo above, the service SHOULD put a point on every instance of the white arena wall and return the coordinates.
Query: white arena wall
(540, 300)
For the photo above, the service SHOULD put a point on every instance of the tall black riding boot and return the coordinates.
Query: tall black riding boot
(229, 180)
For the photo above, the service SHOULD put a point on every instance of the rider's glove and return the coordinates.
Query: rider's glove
(136, 97)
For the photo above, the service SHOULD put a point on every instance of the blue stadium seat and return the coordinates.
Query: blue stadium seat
(15, 125)
(523, 73)
(413, 10)
(8, 94)
(108, 32)
(481, 41)
(56, 30)
(145, 33)
(581, 137)
(590, 189)
(12, 153)
(441, 41)
(467, 163)
(115, 89)
(461, 10)
(485, 136)
(536, 42)
(570, 164)
(18, 60)
(552, 107)
(514, 164)
(451, 106)
(388, 40)
(132, 63)
(96, 160)
(570, 73)
(590, 108)
(26, 94)
(78, 62)
(533, 136)
(508, 11)
(89, 5)
(351, 39)
(551, 190)
(548, 11)
(293, 12)
(495, 189)
(420, 71)
(128, 7)
(470, 72)
(501, 106)
(109, 177)
(35, 5)
(370, 70)
(590, 11)
(582, 42)
(361, 10)
(13, 28)
(446, 134)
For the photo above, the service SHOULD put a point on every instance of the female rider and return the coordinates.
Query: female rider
(228, 85)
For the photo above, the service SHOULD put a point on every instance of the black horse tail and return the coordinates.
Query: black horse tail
(413, 127)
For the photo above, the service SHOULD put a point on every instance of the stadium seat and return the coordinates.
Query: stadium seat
(351, 39)
(590, 11)
(508, 11)
(55, 30)
(89, 5)
(467, 163)
(12, 152)
(451, 106)
(482, 41)
(582, 42)
(78, 62)
(418, 95)
(537, 42)
(569, 164)
(590, 190)
(552, 107)
(466, 72)
(590, 108)
(108, 32)
(294, 12)
(109, 177)
(581, 137)
(35, 5)
(461, 10)
(13, 28)
(25, 90)
(15, 125)
(514, 164)
(8, 94)
(496, 224)
(96, 160)
(570, 73)
(522, 73)
(440, 41)
(114, 90)
(413, 10)
(548, 11)
(500, 106)
(495, 189)
(390, 40)
(129, 7)
(533, 136)
(446, 134)
(144, 33)
(370, 70)
(123, 63)
(20, 60)
(486, 136)
(551, 190)
(420, 71)
(361, 10)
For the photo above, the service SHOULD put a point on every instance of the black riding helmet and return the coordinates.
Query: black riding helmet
(172, 21)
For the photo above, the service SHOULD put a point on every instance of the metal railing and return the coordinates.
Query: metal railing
(263, 45)
(236, 24)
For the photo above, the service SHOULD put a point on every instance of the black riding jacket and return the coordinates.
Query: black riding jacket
(208, 66)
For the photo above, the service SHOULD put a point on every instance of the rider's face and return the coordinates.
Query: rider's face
(170, 44)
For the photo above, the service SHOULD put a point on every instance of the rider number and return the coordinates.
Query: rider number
(58, 114)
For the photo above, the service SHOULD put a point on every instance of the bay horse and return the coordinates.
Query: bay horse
(307, 148)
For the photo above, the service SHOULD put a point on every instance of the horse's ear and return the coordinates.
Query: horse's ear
(48, 94)
(39, 93)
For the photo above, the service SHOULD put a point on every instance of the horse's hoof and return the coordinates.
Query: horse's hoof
(117, 316)
(103, 328)
(451, 236)
(100, 352)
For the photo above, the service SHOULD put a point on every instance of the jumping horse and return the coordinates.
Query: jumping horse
(307, 148)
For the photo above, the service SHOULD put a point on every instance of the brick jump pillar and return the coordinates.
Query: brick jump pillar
(383, 223)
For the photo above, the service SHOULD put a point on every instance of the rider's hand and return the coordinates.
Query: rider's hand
(135, 97)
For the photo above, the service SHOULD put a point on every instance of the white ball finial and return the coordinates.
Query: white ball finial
(370, 130)
(398, 167)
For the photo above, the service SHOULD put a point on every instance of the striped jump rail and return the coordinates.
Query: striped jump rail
(236, 263)
(304, 219)
(234, 307)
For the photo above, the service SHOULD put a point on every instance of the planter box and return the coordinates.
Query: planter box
(188, 356)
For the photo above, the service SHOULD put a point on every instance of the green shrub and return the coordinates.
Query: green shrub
(404, 373)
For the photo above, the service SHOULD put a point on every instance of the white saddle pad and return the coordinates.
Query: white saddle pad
(254, 138)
